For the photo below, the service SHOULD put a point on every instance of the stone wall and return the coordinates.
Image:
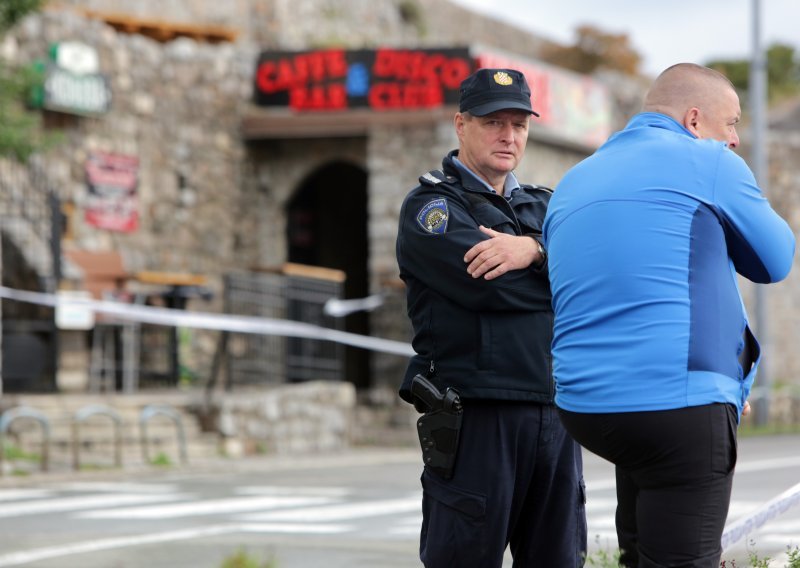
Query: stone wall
(175, 107)
(303, 418)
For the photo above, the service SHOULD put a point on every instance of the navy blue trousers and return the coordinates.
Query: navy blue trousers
(674, 478)
(518, 481)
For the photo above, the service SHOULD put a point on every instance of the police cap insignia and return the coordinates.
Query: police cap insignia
(503, 78)
(433, 216)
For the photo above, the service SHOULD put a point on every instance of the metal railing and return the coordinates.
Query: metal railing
(24, 412)
(151, 411)
(84, 414)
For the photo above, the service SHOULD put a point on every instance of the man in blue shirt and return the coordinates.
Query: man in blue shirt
(653, 357)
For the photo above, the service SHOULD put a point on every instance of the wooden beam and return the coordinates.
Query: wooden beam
(160, 30)
(317, 272)
(171, 278)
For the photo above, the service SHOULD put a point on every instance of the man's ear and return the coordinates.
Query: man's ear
(691, 121)
(458, 121)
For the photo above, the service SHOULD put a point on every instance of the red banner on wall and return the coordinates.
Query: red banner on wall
(112, 203)
(571, 106)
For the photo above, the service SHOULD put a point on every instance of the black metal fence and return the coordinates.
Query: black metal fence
(265, 359)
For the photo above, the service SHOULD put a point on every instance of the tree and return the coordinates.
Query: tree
(595, 49)
(783, 71)
(12, 11)
(19, 133)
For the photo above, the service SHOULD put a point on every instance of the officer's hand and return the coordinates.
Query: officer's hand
(501, 253)
(746, 408)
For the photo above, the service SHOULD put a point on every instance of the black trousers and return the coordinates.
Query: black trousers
(674, 477)
(518, 481)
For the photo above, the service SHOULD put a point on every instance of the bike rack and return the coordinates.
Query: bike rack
(87, 412)
(151, 411)
(13, 414)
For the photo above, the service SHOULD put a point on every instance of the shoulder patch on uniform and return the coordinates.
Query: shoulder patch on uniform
(433, 216)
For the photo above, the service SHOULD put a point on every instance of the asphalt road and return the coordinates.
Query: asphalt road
(354, 509)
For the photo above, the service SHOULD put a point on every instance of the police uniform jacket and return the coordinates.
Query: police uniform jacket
(488, 339)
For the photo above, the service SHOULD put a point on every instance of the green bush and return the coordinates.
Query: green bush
(242, 559)
(161, 459)
(610, 559)
(12, 452)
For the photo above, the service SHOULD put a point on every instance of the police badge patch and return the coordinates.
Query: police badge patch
(433, 216)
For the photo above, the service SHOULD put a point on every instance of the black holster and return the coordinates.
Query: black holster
(438, 428)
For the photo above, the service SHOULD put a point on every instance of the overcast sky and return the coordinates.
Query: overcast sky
(662, 31)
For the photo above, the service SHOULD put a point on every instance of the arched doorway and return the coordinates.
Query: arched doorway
(327, 226)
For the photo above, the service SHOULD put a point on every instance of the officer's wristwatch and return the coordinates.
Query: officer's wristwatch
(542, 252)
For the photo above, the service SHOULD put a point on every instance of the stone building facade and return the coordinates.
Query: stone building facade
(223, 185)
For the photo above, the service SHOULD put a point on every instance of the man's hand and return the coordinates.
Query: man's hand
(746, 408)
(501, 253)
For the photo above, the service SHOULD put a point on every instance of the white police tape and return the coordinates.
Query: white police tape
(339, 308)
(766, 512)
(201, 320)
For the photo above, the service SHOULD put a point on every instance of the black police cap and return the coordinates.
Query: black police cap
(489, 90)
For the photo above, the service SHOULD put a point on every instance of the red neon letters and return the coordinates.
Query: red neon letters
(299, 70)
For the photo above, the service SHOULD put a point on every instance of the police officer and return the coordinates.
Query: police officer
(469, 252)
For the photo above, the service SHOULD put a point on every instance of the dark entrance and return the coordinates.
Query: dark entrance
(29, 332)
(327, 226)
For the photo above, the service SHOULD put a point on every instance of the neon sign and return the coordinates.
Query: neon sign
(382, 79)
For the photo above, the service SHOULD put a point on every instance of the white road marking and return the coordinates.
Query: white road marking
(405, 531)
(62, 504)
(291, 510)
(601, 485)
(341, 512)
(762, 464)
(18, 494)
(600, 504)
(118, 487)
(741, 467)
(408, 526)
(604, 521)
(28, 556)
(740, 507)
(410, 520)
(296, 528)
(210, 507)
(305, 491)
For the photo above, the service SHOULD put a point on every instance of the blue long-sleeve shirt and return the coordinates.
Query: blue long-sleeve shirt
(644, 239)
